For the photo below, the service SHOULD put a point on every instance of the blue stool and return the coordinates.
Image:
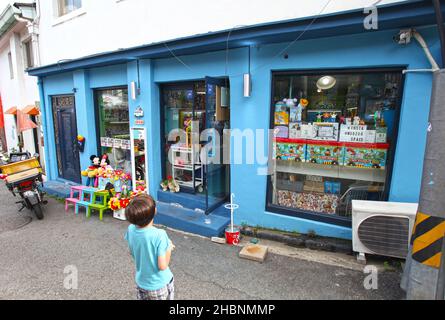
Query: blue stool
(86, 200)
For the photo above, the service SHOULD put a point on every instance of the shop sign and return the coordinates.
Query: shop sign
(115, 143)
(352, 133)
(139, 112)
(139, 122)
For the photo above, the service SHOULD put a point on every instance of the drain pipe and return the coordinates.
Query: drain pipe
(441, 29)
(422, 42)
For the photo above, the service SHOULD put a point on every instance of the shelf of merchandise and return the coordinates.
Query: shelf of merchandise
(190, 165)
(331, 171)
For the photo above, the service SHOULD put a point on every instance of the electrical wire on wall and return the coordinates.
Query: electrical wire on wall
(278, 54)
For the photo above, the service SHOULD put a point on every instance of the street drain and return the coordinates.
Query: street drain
(13, 222)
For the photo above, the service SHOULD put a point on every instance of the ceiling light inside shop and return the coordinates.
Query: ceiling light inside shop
(326, 83)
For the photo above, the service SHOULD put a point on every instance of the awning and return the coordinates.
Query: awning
(23, 122)
(31, 110)
(12, 110)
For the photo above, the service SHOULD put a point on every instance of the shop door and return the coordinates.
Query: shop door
(217, 185)
(66, 135)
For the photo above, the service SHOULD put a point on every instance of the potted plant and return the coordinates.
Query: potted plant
(170, 184)
(164, 185)
(173, 185)
(119, 202)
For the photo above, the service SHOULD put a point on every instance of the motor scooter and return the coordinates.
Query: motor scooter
(23, 177)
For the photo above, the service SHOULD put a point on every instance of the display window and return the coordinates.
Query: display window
(114, 127)
(334, 138)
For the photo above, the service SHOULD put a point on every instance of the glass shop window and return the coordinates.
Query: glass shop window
(333, 139)
(114, 127)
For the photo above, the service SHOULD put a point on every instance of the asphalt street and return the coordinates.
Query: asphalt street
(34, 257)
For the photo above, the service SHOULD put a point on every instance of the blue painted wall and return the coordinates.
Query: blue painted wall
(374, 49)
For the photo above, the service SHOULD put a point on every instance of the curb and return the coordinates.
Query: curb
(302, 241)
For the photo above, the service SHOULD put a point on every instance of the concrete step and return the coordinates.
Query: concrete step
(187, 200)
(189, 220)
(57, 188)
(190, 201)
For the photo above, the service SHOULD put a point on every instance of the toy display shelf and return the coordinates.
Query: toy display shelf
(331, 171)
(335, 143)
(195, 168)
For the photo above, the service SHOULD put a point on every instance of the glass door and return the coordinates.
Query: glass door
(217, 118)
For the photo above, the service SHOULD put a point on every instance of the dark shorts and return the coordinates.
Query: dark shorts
(165, 293)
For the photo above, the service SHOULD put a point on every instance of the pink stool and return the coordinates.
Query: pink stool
(72, 199)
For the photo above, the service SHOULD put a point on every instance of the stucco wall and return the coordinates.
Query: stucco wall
(107, 25)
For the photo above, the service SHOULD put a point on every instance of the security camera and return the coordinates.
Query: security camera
(404, 36)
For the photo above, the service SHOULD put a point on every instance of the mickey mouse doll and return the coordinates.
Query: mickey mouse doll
(92, 171)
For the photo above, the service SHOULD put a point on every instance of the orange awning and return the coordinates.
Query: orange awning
(12, 110)
(31, 110)
(23, 122)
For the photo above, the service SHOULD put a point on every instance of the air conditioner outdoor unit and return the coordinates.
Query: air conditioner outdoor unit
(382, 228)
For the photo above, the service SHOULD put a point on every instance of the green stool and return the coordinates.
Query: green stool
(99, 203)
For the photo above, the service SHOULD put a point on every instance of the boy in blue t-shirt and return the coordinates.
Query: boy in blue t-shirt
(151, 250)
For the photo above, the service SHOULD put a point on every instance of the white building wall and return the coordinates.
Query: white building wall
(20, 91)
(106, 25)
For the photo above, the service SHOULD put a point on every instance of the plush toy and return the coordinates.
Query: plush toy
(92, 171)
(105, 162)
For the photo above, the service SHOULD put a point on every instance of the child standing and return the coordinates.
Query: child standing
(151, 250)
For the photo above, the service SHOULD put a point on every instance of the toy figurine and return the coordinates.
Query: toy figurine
(293, 110)
(326, 117)
(92, 171)
(356, 121)
(299, 110)
(319, 116)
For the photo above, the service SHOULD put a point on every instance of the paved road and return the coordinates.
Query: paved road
(33, 259)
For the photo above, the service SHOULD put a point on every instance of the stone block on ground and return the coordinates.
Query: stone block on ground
(254, 252)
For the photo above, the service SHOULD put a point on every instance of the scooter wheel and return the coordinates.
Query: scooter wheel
(37, 209)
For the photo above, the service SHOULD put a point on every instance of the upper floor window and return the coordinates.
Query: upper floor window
(28, 54)
(66, 6)
(11, 67)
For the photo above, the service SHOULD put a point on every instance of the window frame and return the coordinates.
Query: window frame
(96, 92)
(11, 66)
(322, 217)
(28, 57)
(57, 6)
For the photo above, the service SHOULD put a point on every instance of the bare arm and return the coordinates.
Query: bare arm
(164, 261)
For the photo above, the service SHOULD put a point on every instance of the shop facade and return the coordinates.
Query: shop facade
(348, 122)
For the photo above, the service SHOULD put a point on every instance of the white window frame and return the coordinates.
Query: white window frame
(11, 65)
(66, 17)
(25, 53)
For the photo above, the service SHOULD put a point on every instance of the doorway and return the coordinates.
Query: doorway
(65, 130)
(201, 107)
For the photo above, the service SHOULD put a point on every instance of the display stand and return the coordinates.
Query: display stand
(184, 161)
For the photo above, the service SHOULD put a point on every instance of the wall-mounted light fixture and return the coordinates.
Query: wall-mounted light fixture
(248, 81)
(134, 90)
(247, 85)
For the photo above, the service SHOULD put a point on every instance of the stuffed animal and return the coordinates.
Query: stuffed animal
(92, 171)
(105, 162)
